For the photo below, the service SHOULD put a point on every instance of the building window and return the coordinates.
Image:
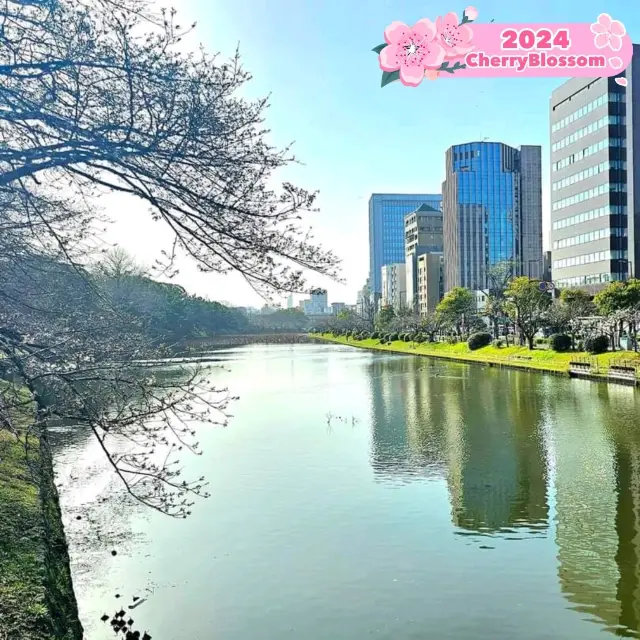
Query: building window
(588, 108)
(585, 131)
(589, 172)
(587, 151)
(591, 193)
(588, 258)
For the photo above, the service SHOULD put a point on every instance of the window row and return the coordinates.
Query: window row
(587, 151)
(592, 278)
(588, 108)
(601, 189)
(600, 212)
(589, 172)
(592, 236)
(585, 131)
(588, 258)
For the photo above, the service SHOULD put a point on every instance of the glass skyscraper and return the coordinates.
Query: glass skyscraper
(492, 212)
(386, 229)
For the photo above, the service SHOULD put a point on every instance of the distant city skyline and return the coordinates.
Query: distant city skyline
(353, 138)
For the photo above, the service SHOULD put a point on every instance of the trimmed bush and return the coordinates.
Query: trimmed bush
(543, 340)
(560, 342)
(376, 335)
(479, 340)
(597, 344)
(393, 337)
(498, 343)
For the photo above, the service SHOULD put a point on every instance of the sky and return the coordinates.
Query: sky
(314, 58)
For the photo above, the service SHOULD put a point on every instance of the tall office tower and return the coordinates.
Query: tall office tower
(386, 229)
(492, 212)
(422, 234)
(595, 184)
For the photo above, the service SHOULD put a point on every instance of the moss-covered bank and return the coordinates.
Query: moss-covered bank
(36, 595)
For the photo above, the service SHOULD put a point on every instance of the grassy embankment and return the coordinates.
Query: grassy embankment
(519, 357)
(36, 596)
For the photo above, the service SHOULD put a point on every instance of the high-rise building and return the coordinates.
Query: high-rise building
(317, 303)
(492, 212)
(394, 285)
(386, 229)
(422, 234)
(430, 287)
(595, 183)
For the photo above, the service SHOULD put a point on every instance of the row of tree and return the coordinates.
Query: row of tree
(516, 308)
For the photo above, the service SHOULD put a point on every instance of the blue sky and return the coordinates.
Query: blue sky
(314, 58)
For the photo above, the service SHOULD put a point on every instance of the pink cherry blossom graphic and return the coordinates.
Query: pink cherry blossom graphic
(608, 32)
(471, 13)
(454, 37)
(621, 81)
(615, 62)
(411, 50)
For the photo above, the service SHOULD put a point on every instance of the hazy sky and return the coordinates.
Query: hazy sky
(314, 57)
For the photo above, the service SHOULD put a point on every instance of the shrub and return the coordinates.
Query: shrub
(393, 337)
(597, 344)
(543, 340)
(560, 342)
(376, 335)
(498, 343)
(479, 340)
(580, 345)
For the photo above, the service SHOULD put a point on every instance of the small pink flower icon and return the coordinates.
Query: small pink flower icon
(621, 81)
(454, 37)
(411, 50)
(615, 62)
(608, 32)
(471, 13)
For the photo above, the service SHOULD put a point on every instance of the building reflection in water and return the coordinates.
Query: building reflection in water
(511, 447)
(448, 420)
(598, 504)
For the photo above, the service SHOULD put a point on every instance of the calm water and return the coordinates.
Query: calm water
(360, 495)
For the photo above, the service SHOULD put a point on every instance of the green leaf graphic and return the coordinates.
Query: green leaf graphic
(379, 48)
(389, 76)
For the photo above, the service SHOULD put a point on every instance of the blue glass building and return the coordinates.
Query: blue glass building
(492, 212)
(386, 229)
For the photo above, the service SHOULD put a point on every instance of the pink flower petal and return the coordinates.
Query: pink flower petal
(389, 59)
(425, 29)
(411, 76)
(605, 20)
(596, 27)
(466, 33)
(431, 74)
(471, 13)
(621, 81)
(451, 19)
(615, 42)
(615, 62)
(617, 28)
(396, 32)
(601, 40)
(435, 55)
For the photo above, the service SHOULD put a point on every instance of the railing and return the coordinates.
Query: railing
(623, 370)
(583, 366)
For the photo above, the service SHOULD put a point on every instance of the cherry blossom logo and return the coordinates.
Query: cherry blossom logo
(608, 32)
(410, 54)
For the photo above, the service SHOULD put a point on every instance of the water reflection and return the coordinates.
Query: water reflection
(514, 447)
(444, 419)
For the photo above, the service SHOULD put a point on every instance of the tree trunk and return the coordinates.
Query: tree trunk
(530, 341)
